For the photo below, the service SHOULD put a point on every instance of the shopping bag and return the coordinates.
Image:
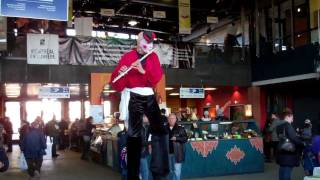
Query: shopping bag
(22, 162)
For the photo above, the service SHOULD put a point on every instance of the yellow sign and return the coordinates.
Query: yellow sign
(184, 17)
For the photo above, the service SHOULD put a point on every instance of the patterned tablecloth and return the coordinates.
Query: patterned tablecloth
(223, 157)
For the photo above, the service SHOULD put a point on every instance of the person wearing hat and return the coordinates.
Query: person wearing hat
(138, 98)
(306, 133)
(33, 147)
(4, 162)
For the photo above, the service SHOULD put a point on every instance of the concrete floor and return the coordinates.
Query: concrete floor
(68, 166)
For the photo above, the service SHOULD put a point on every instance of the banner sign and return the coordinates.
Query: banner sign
(184, 17)
(192, 92)
(96, 111)
(108, 52)
(54, 92)
(83, 26)
(93, 51)
(42, 49)
(37, 9)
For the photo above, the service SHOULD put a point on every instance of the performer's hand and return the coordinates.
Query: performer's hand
(173, 138)
(137, 65)
(123, 69)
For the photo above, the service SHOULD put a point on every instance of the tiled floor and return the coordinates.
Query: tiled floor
(68, 166)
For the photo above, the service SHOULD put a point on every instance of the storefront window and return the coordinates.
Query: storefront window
(46, 108)
(74, 110)
(86, 109)
(107, 108)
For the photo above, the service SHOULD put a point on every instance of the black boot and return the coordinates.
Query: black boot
(160, 156)
(134, 155)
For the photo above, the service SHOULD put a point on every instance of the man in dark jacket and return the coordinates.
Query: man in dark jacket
(4, 162)
(178, 137)
(9, 132)
(145, 132)
(87, 135)
(33, 147)
(53, 132)
(287, 160)
(63, 136)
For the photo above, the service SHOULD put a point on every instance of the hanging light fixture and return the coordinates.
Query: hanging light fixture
(132, 22)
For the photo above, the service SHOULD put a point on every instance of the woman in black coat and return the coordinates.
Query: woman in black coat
(288, 160)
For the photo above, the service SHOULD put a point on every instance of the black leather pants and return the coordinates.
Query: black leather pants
(138, 106)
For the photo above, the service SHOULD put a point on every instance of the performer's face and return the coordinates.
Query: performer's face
(144, 46)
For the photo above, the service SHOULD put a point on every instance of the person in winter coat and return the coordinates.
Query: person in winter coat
(9, 131)
(4, 162)
(87, 136)
(177, 139)
(285, 159)
(23, 130)
(145, 132)
(53, 132)
(122, 151)
(63, 136)
(273, 129)
(33, 147)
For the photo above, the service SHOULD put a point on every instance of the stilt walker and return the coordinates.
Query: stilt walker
(135, 80)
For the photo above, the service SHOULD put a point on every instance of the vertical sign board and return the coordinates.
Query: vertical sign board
(42, 49)
(192, 93)
(70, 10)
(184, 17)
(83, 26)
(37, 9)
(3, 33)
(96, 111)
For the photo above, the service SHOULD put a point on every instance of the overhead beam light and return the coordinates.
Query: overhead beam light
(174, 94)
(210, 89)
(169, 88)
(132, 23)
(109, 91)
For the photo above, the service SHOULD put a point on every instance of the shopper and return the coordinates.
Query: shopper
(138, 98)
(316, 148)
(206, 116)
(74, 134)
(267, 140)
(144, 167)
(288, 158)
(273, 129)
(122, 151)
(23, 131)
(178, 137)
(8, 134)
(33, 148)
(87, 136)
(4, 162)
(53, 132)
(63, 135)
(306, 133)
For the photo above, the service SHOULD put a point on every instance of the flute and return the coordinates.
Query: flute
(126, 71)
